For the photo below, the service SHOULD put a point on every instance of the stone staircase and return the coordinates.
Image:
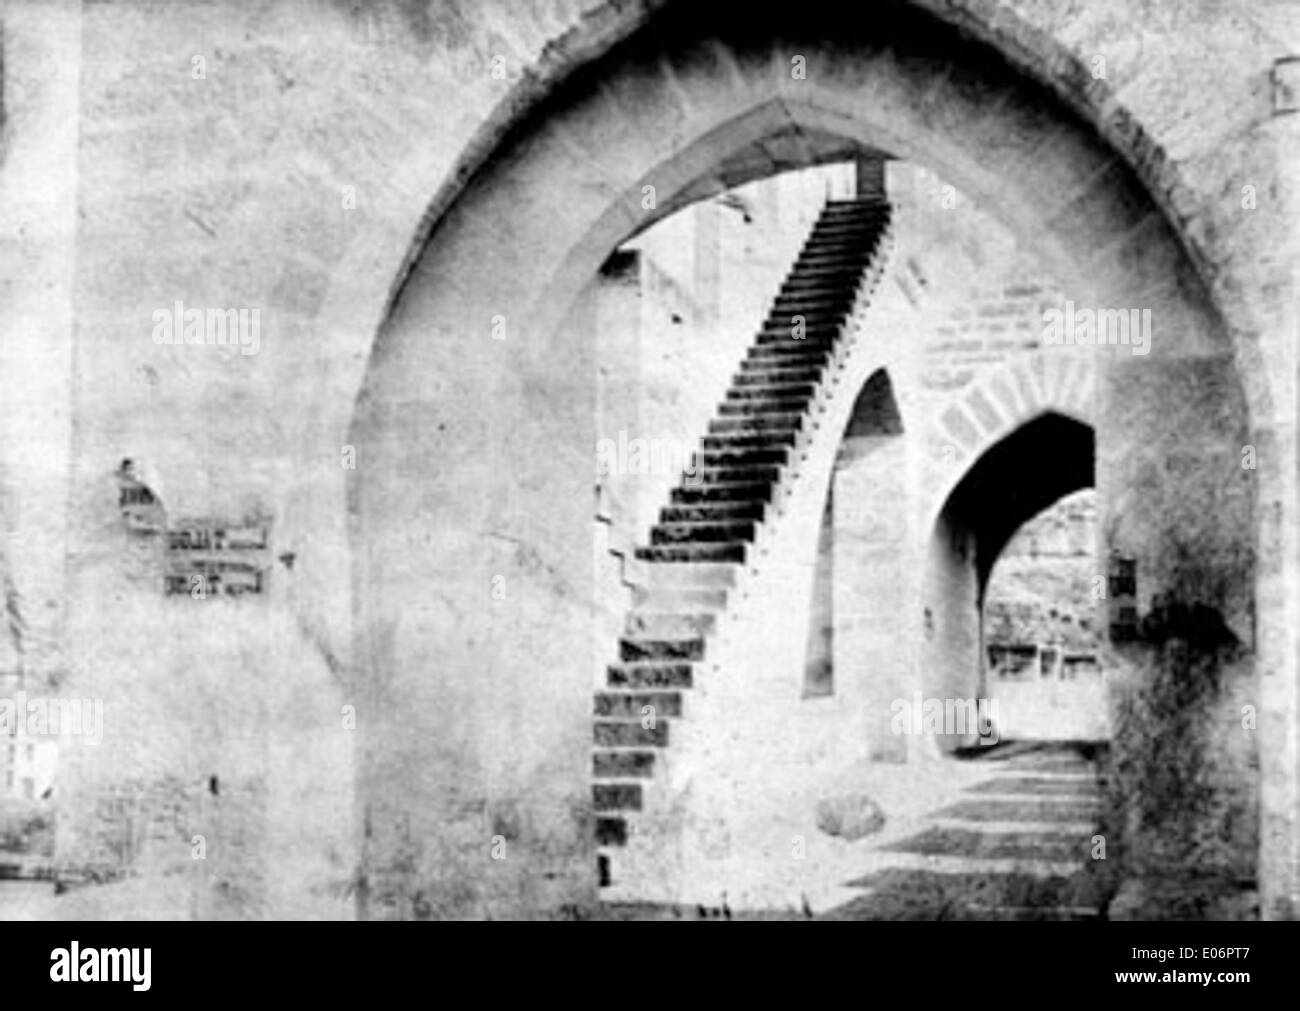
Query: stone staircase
(714, 516)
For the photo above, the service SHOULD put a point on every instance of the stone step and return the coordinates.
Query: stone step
(815, 258)
(816, 322)
(813, 348)
(770, 407)
(630, 734)
(816, 317)
(694, 533)
(686, 553)
(728, 442)
(840, 231)
(828, 256)
(785, 351)
(775, 391)
(616, 797)
(823, 267)
(802, 301)
(844, 241)
(761, 374)
(782, 328)
(860, 221)
(713, 512)
(791, 354)
(611, 831)
(741, 457)
(705, 576)
(1039, 785)
(820, 287)
(845, 236)
(757, 424)
(783, 317)
(817, 269)
(649, 675)
(677, 650)
(770, 452)
(817, 334)
(838, 224)
(854, 209)
(806, 278)
(668, 624)
(854, 250)
(741, 474)
(845, 226)
(842, 284)
(777, 328)
(867, 203)
(671, 598)
(632, 705)
(850, 246)
(748, 492)
(788, 357)
(623, 764)
(814, 275)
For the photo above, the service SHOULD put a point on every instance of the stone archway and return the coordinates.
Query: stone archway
(859, 524)
(998, 403)
(1041, 460)
(470, 520)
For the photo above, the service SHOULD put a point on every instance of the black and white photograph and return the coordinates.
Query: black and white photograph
(648, 460)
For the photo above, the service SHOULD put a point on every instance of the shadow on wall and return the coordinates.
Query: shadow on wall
(1185, 768)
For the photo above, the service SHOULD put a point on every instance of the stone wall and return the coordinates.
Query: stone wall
(382, 183)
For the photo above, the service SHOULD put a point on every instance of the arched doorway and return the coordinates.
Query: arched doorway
(1041, 630)
(470, 524)
(1045, 459)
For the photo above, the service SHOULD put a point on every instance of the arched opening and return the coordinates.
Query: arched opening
(1041, 633)
(1013, 481)
(472, 527)
(865, 486)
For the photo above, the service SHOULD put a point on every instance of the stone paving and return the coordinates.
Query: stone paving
(1012, 840)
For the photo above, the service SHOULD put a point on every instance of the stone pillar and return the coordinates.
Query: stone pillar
(869, 565)
(1278, 545)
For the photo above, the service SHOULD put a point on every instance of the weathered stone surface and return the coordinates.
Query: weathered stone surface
(1183, 899)
(362, 175)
